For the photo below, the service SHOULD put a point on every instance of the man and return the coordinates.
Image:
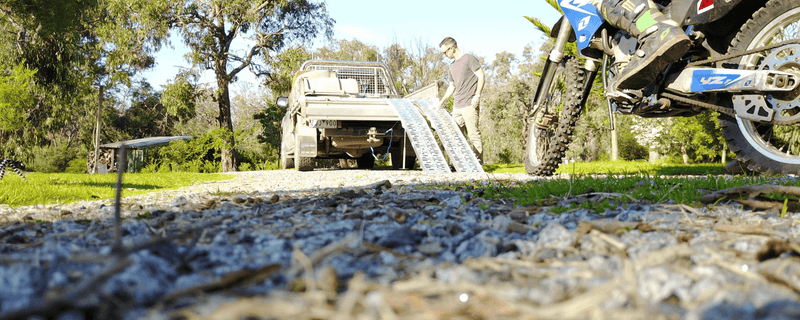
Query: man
(661, 40)
(467, 79)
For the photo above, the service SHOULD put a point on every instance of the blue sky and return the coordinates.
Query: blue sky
(484, 28)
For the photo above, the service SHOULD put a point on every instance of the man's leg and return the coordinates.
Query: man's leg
(471, 117)
(661, 40)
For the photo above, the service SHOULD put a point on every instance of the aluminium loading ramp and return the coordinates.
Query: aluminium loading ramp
(456, 145)
(425, 146)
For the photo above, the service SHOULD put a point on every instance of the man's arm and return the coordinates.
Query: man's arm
(449, 92)
(481, 80)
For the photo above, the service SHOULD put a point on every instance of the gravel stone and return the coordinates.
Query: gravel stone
(378, 237)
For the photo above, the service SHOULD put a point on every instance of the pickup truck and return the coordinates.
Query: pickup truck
(339, 110)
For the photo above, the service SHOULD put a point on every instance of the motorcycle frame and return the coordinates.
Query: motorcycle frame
(704, 16)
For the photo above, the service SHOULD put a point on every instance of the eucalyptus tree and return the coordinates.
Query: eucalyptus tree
(229, 36)
(70, 48)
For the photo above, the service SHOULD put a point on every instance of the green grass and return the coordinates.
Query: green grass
(683, 184)
(619, 167)
(652, 189)
(45, 188)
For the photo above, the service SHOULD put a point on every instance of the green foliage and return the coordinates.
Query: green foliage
(44, 188)
(788, 136)
(620, 167)
(78, 165)
(284, 67)
(348, 50)
(199, 154)
(179, 98)
(16, 97)
(270, 119)
(146, 117)
(629, 148)
(52, 158)
(655, 190)
(699, 136)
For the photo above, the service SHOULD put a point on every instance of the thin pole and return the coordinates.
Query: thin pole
(121, 167)
(97, 131)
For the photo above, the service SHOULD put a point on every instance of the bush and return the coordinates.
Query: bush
(50, 159)
(629, 148)
(78, 165)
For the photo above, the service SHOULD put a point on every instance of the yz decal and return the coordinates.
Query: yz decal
(715, 80)
(576, 5)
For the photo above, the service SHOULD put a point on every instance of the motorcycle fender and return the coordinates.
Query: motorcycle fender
(584, 18)
(306, 140)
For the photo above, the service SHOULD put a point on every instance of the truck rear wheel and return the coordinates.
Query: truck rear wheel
(302, 163)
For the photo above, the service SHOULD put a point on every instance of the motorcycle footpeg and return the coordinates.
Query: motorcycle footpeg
(631, 96)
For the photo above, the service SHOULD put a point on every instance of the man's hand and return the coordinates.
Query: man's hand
(476, 100)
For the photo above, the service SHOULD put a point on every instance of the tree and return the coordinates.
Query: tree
(74, 46)
(283, 68)
(15, 97)
(209, 29)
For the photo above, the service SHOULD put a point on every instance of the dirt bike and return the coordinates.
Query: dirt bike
(744, 63)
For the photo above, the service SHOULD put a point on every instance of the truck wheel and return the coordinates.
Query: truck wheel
(287, 162)
(397, 160)
(302, 163)
(366, 161)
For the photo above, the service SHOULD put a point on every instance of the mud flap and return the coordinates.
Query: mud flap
(306, 140)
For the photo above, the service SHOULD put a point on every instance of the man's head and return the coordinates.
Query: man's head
(448, 46)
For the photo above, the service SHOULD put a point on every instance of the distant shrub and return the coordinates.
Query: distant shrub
(50, 159)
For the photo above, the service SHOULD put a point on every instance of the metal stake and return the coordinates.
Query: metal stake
(121, 164)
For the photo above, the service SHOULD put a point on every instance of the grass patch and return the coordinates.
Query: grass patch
(47, 188)
(686, 190)
(619, 167)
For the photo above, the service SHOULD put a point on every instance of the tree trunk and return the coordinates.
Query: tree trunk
(228, 161)
(614, 145)
(685, 156)
(724, 155)
(653, 155)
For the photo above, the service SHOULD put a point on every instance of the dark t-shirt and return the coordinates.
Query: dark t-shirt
(462, 73)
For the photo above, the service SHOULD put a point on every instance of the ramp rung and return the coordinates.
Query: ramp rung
(425, 146)
(456, 145)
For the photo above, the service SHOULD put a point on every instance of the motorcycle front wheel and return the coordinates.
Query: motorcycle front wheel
(549, 127)
(766, 147)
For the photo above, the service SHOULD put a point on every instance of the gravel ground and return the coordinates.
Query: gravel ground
(353, 244)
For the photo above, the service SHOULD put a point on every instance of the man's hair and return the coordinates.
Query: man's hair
(449, 41)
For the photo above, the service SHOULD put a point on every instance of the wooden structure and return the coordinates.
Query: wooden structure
(137, 151)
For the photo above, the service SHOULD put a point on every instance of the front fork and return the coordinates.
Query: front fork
(554, 58)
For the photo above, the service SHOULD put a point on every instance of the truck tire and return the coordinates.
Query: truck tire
(302, 163)
(287, 162)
